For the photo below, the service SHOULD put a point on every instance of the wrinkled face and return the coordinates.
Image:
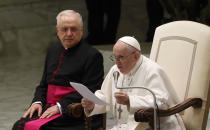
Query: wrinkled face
(69, 30)
(125, 58)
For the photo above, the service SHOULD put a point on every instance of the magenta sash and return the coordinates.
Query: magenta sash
(54, 94)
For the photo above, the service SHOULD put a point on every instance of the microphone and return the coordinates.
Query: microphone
(116, 75)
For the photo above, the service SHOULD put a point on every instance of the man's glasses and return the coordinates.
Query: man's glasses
(119, 58)
(65, 29)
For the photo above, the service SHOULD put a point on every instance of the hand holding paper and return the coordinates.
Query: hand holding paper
(86, 93)
(88, 105)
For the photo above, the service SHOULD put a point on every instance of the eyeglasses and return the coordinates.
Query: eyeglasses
(65, 29)
(119, 58)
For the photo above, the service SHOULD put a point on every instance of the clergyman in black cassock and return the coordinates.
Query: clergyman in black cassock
(70, 60)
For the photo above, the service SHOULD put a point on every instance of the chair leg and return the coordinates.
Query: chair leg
(104, 121)
(88, 123)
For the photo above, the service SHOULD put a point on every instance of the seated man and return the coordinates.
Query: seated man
(70, 60)
(134, 69)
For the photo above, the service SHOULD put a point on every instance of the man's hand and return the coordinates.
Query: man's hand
(50, 112)
(35, 107)
(88, 105)
(122, 98)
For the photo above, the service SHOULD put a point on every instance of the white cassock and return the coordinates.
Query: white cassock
(148, 74)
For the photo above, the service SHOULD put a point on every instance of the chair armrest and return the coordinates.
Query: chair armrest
(74, 110)
(148, 114)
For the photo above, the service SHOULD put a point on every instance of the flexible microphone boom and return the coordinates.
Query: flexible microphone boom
(116, 75)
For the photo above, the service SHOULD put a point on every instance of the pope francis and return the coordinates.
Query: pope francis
(134, 70)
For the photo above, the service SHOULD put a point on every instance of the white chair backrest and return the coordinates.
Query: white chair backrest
(182, 48)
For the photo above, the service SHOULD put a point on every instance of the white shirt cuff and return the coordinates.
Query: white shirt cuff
(37, 102)
(59, 107)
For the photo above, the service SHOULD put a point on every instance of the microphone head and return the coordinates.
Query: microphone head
(116, 75)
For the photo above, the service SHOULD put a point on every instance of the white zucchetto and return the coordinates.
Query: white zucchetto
(131, 41)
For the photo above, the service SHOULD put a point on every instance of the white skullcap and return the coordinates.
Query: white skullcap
(131, 41)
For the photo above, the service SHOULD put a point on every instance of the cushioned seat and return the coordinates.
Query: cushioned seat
(182, 48)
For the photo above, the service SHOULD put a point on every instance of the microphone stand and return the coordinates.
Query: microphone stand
(116, 76)
(154, 99)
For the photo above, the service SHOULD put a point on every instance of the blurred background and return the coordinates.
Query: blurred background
(27, 28)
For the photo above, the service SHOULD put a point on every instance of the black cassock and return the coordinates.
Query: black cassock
(81, 63)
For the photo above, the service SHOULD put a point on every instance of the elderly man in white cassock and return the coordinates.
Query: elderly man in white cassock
(134, 70)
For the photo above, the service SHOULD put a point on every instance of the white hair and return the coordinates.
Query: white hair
(68, 12)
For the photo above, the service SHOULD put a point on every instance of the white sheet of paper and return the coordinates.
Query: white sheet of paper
(86, 93)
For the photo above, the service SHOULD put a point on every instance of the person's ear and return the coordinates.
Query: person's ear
(56, 29)
(81, 32)
(137, 55)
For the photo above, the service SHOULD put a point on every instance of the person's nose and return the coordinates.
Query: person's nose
(69, 32)
(117, 61)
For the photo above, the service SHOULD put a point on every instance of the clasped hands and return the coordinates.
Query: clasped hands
(121, 98)
(38, 108)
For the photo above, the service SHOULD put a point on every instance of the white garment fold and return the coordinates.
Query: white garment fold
(148, 74)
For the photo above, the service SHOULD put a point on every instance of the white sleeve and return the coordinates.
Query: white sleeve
(157, 82)
(104, 94)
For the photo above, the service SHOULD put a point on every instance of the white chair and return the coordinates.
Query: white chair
(182, 48)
